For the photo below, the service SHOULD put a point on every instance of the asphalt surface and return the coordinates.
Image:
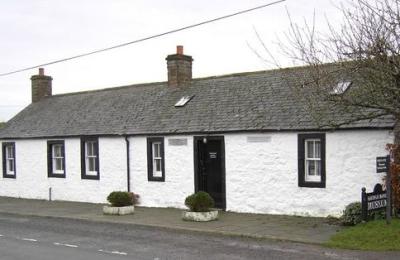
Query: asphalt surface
(44, 238)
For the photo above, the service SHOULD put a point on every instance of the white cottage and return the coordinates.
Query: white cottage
(243, 138)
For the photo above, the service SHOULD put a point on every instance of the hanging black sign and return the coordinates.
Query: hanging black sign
(382, 164)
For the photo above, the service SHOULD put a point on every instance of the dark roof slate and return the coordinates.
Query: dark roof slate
(258, 101)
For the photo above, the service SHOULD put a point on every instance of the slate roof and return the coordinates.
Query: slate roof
(258, 101)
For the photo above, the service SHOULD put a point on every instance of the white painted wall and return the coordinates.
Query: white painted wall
(32, 180)
(263, 177)
(179, 173)
(260, 177)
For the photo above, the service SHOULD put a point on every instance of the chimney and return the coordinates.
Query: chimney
(179, 68)
(41, 86)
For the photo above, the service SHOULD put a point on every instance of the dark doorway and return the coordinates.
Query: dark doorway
(209, 163)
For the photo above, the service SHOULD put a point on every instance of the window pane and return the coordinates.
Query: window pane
(58, 164)
(9, 151)
(92, 164)
(317, 149)
(317, 168)
(156, 149)
(56, 150)
(89, 148)
(10, 165)
(310, 167)
(158, 165)
(310, 149)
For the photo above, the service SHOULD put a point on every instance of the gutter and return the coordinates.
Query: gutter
(128, 168)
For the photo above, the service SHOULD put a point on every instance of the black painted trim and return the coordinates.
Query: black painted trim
(5, 175)
(150, 176)
(50, 172)
(196, 164)
(83, 161)
(301, 157)
(128, 165)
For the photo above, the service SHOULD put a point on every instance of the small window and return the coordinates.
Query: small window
(183, 101)
(56, 159)
(9, 160)
(340, 88)
(311, 160)
(155, 159)
(90, 158)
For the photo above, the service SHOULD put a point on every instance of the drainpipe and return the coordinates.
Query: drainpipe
(128, 168)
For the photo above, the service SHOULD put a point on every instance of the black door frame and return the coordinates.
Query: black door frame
(196, 163)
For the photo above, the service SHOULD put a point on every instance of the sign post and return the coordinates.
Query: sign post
(388, 191)
(383, 165)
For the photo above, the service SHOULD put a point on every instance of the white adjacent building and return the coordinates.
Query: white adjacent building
(244, 138)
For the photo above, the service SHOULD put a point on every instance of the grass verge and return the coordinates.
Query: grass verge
(374, 235)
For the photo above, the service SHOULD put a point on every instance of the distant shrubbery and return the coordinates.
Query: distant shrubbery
(2, 124)
(199, 202)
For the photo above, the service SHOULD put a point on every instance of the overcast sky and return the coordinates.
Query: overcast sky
(35, 32)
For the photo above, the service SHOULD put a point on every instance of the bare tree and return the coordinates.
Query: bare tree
(364, 52)
(353, 68)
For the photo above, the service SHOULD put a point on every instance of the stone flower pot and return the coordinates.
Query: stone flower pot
(109, 210)
(200, 216)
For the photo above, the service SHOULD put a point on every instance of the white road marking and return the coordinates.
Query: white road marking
(1, 235)
(29, 239)
(67, 245)
(112, 252)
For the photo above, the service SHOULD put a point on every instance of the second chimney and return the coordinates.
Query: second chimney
(41, 86)
(179, 68)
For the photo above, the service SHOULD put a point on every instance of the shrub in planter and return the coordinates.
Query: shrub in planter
(120, 198)
(199, 202)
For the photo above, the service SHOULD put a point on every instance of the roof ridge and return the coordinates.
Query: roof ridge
(236, 74)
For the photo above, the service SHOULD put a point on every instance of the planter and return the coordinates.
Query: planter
(109, 210)
(200, 216)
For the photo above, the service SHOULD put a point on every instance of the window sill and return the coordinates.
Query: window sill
(56, 175)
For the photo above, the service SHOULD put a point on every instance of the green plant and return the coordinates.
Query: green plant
(199, 202)
(352, 214)
(120, 198)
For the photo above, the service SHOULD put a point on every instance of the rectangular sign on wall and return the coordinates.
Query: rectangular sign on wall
(382, 164)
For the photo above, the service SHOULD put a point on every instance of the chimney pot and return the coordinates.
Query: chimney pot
(41, 71)
(179, 49)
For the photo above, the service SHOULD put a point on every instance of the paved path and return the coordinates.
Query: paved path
(42, 238)
(290, 228)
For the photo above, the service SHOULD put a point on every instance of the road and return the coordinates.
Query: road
(37, 238)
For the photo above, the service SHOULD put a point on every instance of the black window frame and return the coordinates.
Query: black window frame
(301, 160)
(5, 174)
(150, 176)
(84, 175)
(50, 172)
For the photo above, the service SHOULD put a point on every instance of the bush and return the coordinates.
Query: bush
(120, 198)
(199, 202)
(352, 214)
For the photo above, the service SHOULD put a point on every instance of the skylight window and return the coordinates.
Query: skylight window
(341, 87)
(183, 101)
